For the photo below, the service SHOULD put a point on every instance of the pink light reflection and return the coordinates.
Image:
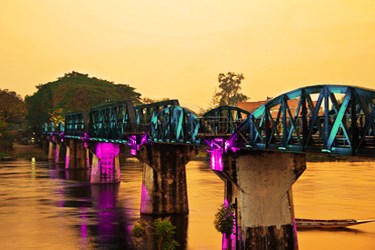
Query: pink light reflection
(83, 226)
(133, 144)
(145, 198)
(216, 159)
(67, 159)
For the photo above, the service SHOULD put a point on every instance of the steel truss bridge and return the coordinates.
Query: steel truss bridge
(333, 119)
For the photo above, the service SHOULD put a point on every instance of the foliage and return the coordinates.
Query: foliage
(6, 142)
(12, 109)
(12, 113)
(162, 229)
(73, 92)
(147, 100)
(3, 124)
(139, 229)
(229, 90)
(224, 220)
(56, 116)
(164, 232)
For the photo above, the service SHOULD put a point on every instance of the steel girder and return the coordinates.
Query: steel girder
(323, 118)
(146, 112)
(48, 128)
(222, 121)
(174, 125)
(74, 125)
(111, 121)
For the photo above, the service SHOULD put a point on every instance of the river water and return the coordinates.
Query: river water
(43, 206)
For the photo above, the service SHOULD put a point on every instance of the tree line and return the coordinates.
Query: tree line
(75, 91)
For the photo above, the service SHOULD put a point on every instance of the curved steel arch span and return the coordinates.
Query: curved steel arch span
(174, 125)
(222, 121)
(323, 118)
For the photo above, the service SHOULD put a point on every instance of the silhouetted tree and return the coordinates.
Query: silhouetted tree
(73, 92)
(12, 107)
(12, 113)
(229, 90)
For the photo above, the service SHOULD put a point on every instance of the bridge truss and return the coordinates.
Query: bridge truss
(323, 118)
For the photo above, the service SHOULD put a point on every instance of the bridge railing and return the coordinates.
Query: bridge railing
(218, 126)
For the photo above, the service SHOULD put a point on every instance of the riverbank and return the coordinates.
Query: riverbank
(26, 152)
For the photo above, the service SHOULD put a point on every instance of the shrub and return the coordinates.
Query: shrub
(224, 220)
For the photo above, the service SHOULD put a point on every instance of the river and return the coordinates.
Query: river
(43, 206)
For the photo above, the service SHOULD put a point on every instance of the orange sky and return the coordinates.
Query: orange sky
(176, 49)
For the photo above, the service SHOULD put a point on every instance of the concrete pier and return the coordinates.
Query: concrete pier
(265, 199)
(60, 152)
(51, 149)
(76, 155)
(164, 178)
(262, 183)
(105, 166)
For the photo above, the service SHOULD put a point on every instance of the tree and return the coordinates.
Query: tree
(70, 93)
(12, 113)
(229, 90)
(162, 229)
(12, 107)
(146, 100)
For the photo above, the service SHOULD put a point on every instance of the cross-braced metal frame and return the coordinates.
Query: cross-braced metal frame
(112, 121)
(174, 125)
(323, 118)
(222, 121)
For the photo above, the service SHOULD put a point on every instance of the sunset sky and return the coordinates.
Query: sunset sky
(176, 49)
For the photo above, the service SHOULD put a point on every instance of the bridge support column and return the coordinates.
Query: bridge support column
(59, 153)
(265, 203)
(51, 150)
(106, 163)
(164, 179)
(76, 154)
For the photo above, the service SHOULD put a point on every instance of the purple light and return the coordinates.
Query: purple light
(106, 169)
(216, 159)
(133, 151)
(67, 158)
(144, 139)
(105, 150)
(83, 226)
(61, 135)
(145, 198)
(226, 203)
(219, 146)
(57, 153)
(134, 146)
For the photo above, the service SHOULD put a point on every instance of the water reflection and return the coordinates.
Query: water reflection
(102, 222)
(44, 206)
